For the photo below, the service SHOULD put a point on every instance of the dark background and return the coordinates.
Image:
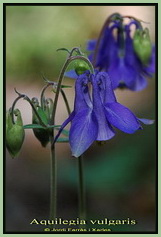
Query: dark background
(120, 175)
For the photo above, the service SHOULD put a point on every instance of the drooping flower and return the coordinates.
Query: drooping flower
(116, 54)
(107, 48)
(94, 119)
(84, 127)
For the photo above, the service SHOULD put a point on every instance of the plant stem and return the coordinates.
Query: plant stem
(68, 61)
(53, 183)
(66, 102)
(53, 191)
(33, 107)
(81, 190)
(42, 98)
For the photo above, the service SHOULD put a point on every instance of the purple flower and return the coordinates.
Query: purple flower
(107, 48)
(116, 55)
(84, 127)
(94, 119)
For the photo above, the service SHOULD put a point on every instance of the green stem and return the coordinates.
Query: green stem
(81, 190)
(53, 184)
(53, 172)
(33, 107)
(62, 92)
(66, 102)
(53, 194)
(53, 162)
(68, 61)
(42, 97)
(136, 19)
(77, 50)
(13, 106)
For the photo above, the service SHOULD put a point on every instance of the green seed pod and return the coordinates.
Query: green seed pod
(42, 134)
(15, 133)
(142, 45)
(81, 67)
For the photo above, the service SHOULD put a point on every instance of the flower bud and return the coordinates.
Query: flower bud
(15, 133)
(81, 67)
(142, 45)
(48, 108)
(42, 134)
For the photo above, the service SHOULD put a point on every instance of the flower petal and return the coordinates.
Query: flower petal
(82, 97)
(107, 48)
(140, 83)
(146, 121)
(69, 119)
(109, 93)
(120, 71)
(91, 44)
(83, 132)
(71, 74)
(150, 69)
(105, 131)
(121, 117)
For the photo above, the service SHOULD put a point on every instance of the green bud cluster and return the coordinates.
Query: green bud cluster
(42, 134)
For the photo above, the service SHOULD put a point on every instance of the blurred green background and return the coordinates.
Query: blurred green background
(120, 175)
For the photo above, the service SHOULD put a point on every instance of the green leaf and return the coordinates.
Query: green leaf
(42, 115)
(30, 126)
(63, 49)
(54, 126)
(65, 86)
(62, 139)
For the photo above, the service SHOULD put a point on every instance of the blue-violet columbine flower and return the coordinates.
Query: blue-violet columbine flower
(94, 119)
(115, 53)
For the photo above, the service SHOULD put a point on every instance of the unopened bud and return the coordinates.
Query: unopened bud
(42, 134)
(81, 67)
(142, 45)
(15, 133)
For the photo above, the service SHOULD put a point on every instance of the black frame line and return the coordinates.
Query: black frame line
(4, 111)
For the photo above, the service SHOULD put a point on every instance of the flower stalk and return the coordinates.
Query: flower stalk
(30, 102)
(53, 158)
(53, 183)
(81, 190)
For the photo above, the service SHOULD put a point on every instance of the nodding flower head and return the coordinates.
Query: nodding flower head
(94, 119)
(128, 60)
